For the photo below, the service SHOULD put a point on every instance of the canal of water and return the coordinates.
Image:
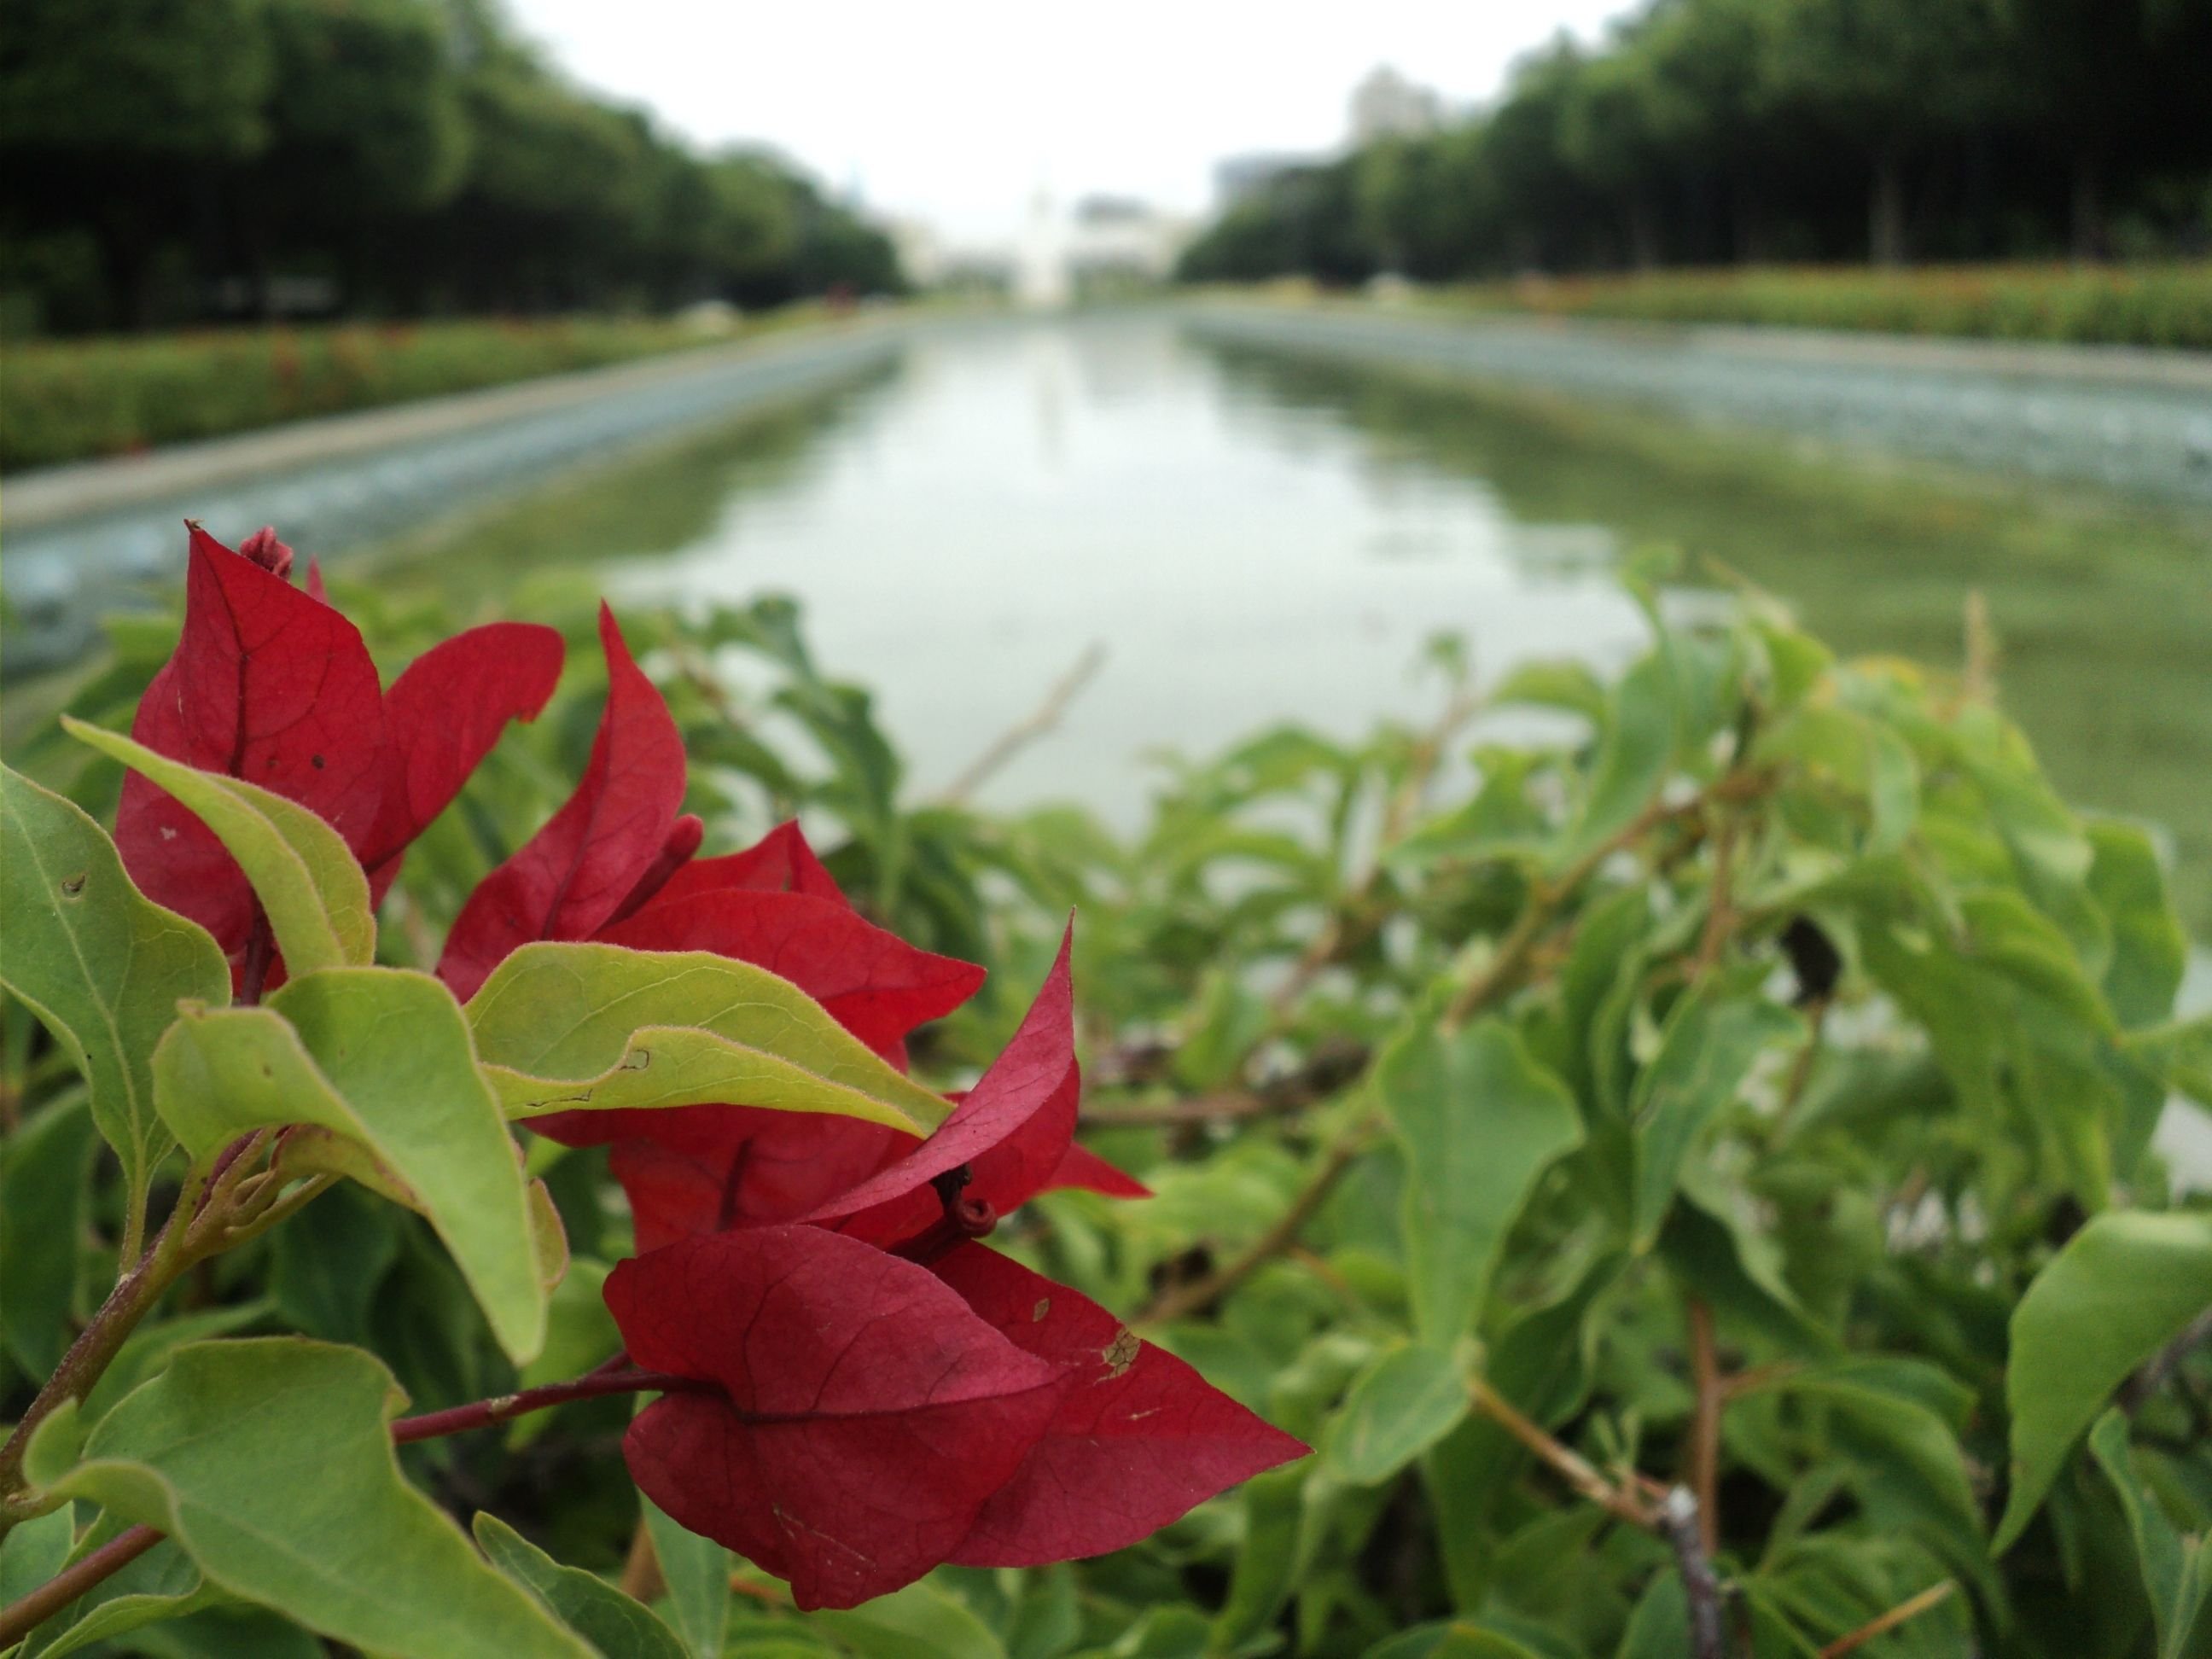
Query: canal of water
(1255, 537)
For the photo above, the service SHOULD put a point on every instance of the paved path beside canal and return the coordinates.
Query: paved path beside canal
(79, 536)
(2135, 422)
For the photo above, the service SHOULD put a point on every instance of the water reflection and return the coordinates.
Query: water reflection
(1255, 539)
(2104, 609)
(1027, 492)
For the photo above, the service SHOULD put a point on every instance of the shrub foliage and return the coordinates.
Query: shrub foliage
(1681, 1151)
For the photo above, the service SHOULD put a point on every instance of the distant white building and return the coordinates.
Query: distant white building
(1118, 236)
(1041, 274)
(1386, 105)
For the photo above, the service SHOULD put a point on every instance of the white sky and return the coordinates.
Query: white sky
(956, 112)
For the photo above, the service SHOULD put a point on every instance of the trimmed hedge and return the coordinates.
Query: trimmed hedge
(2168, 305)
(67, 400)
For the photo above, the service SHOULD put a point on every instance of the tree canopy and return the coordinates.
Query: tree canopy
(1706, 131)
(162, 162)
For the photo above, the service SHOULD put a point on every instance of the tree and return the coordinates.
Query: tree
(2110, 82)
(370, 127)
(1885, 78)
(113, 114)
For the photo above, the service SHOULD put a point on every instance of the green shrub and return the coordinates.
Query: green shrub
(1680, 1149)
(68, 400)
(2168, 306)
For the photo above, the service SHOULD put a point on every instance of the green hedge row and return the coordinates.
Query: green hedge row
(67, 400)
(2144, 305)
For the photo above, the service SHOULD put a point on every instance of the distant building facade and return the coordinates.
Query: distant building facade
(1386, 105)
(1120, 237)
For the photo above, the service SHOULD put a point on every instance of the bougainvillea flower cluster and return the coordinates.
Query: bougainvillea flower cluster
(880, 1391)
(272, 685)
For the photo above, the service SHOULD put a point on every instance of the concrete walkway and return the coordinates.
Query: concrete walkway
(79, 538)
(2133, 422)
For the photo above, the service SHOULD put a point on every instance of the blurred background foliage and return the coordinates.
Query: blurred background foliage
(169, 162)
(1711, 132)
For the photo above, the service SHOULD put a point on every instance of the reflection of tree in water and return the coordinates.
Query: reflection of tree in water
(2099, 605)
(646, 508)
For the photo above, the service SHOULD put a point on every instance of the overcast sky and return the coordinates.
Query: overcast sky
(956, 112)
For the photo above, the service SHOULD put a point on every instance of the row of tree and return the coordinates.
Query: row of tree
(1706, 132)
(165, 161)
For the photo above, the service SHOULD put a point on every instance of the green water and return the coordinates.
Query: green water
(1254, 537)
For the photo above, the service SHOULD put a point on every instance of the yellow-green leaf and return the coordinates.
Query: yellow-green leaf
(270, 1462)
(381, 1057)
(102, 965)
(302, 871)
(595, 1027)
(2123, 1286)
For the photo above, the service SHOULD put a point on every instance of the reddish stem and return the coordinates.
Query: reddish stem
(500, 1408)
(20, 1620)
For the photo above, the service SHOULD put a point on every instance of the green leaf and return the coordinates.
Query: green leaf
(569, 1027)
(103, 966)
(382, 1057)
(159, 1585)
(1738, 1272)
(1907, 1459)
(1406, 1403)
(2050, 852)
(2177, 1569)
(696, 1571)
(327, 1262)
(1560, 684)
(1542, 1364)
(301, 870)
(613, 1623)
(34, 1550)
(922, 1621)
(1659, 1627)
(46, 1169)
(2123, 1287)
(1267, 1559)
(2149, 951)
(1634, 758)
(270, 1461)
(1453, 1641)
(1479, 1121)
(1710, 1043)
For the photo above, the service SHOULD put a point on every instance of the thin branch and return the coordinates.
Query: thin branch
(1720, 908)
(1179, 1300)
(1671, 1513)
(642, 1579)
(1047, 715)
(1705, 1448)
(1934, 1595)
(1578, 1471)
(505, 1407)
(19, 1618)
(1978, 683)
(1680, 1520)
(1800, 1068)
